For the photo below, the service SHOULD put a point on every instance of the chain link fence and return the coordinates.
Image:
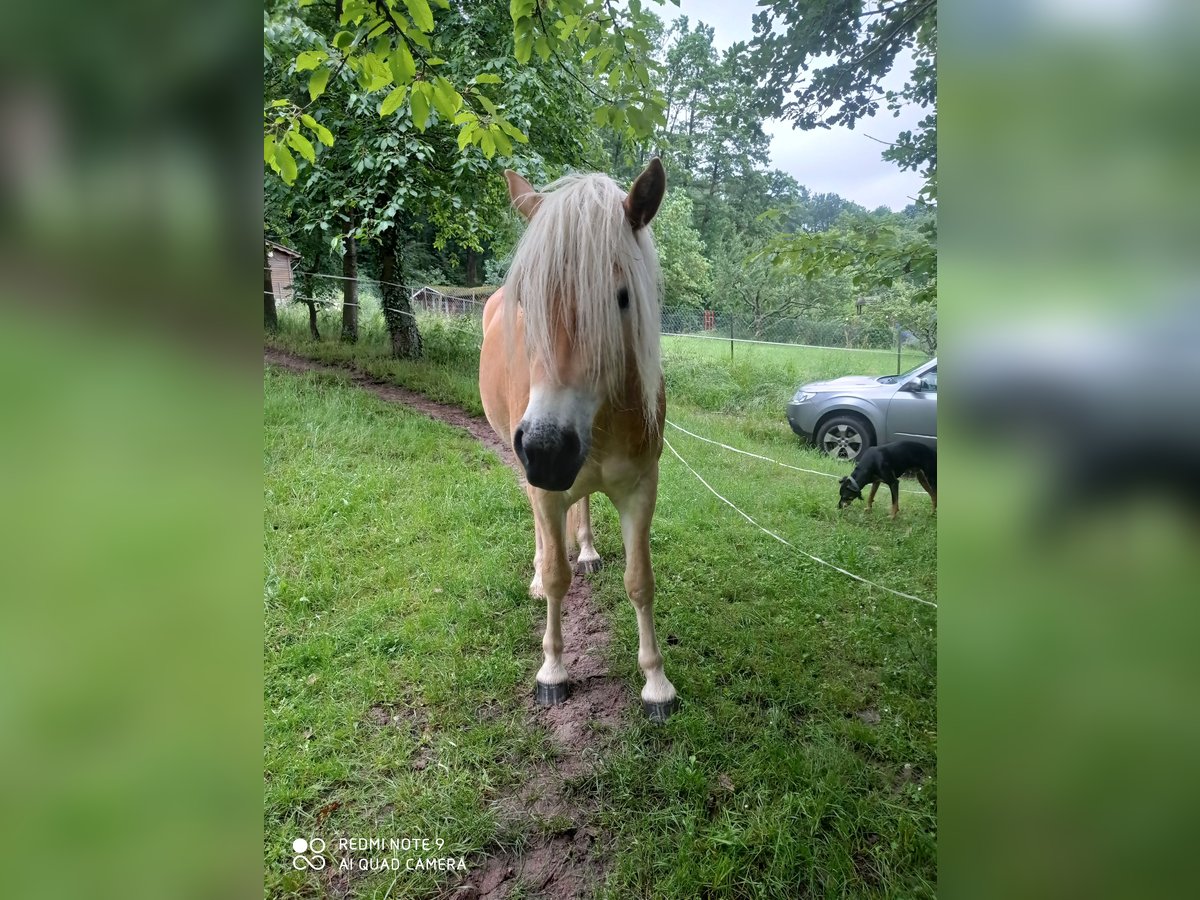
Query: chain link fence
(852, 332)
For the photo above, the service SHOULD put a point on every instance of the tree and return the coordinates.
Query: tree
(861, 42)
(852, 45)
(420, 170)
(903, 307)
(350, 285)
(396, 46)
(746, 282)
(875, 252)
(686, 279)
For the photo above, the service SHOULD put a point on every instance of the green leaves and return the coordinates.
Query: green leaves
(464, 137)
(512, 131)
(522, 29)
(445, 98)
(301, 145)
(391, 47)
(324, 135)
(310, 59)
(419, 104)
(317, 82)
(373, 74)
(392, 101)
(421, 14)
(285, 164)
(487, 143)
(500, 141)
(402, 65)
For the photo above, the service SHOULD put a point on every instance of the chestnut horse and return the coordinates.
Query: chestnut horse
(571, 379)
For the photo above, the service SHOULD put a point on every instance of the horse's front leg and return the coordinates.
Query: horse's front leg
(637, 510)
(554, 574)
(535, 586)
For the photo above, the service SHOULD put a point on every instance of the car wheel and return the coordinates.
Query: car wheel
(845, 436)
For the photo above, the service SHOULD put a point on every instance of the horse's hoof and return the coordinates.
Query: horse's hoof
(550, 694)
(588, 566)
(660, 712)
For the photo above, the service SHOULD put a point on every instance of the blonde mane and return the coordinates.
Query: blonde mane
(577, 252)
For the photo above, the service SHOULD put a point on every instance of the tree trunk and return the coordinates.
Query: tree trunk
(397, 310)
(350, 289)
(304, 290)
(472, 268)
(270, 318)
(312, 319)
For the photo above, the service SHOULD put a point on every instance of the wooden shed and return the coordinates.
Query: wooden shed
(282, 260)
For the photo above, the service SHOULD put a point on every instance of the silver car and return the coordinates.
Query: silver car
(845, 416)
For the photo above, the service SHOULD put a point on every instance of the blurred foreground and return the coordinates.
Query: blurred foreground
(1071, 288)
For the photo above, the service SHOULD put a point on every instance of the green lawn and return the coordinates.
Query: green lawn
(823, 361)
(386, 595)
(803, 760)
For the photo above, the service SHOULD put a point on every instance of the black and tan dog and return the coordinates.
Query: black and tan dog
(885, 465)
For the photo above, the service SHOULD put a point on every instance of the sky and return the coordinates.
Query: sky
(834, 160)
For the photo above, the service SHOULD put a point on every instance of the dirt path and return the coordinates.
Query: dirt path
(565, 854)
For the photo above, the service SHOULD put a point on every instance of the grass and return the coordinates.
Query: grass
(386, 595)
(803, 760)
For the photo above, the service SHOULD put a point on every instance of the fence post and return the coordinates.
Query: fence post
(731, 335)
(898, 369)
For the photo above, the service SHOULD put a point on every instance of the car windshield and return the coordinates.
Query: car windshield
(896, 379)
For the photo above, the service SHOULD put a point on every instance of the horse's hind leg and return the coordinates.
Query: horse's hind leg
(637, 509)
(580, 518)
(554, 574)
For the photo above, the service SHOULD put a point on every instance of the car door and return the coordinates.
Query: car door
(912, 414)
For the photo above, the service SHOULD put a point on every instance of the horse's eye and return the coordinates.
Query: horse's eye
(623, 298)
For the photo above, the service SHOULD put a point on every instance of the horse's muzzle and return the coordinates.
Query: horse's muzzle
(551, 457)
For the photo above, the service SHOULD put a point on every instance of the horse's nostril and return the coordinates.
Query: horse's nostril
(518, 439)
(570, 444)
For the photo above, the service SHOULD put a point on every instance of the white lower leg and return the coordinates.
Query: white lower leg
(535, 586)
(658, 688)
(552, 671)
(589, 559)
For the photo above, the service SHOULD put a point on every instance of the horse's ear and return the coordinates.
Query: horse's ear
(646, 194)
(524, 198)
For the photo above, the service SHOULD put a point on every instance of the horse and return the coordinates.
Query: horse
(571, 381)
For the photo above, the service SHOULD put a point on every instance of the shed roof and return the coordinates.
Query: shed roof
(288, 250)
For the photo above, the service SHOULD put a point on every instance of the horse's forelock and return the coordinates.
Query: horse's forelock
(576, 254)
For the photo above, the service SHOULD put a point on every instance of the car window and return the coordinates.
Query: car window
(899, 379)
(930, 379)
